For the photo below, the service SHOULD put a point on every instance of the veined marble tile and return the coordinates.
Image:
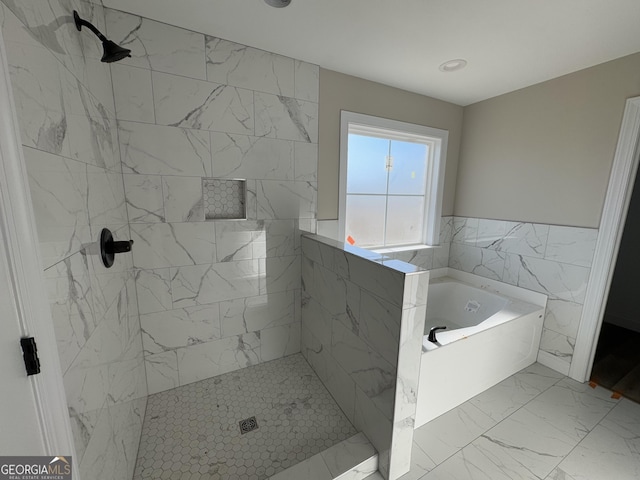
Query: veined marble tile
(421, 464)
(189, 103)
(557, 345)
(183, 327)
(69, 293)
(154, 290)
(158, 245)
(539, 376)
(610, 450)
(279, 239)
(448, 433)
(252, 314)
(128, 381)
(286, 200)
(528, 239)
(373, 375)
(127, 421)
(441, 255)
(421, 258)
(205, 284)
(563, 317)
(307, 81)
(380, 326)
(313, 468)
(86, 381)
(506, 397)
(39, 101)
(161, 150)
(557, 280)
(59, 192)
(95, 77)
(243, 156)
(283, 117)
(306, 161)
(245, 67)
(91, 129)
(206, 360)
(239, 240)
(446, 230)
(386, 283)
(278, 342)
(464, 230)
(479, 261)
(157, 46)
(400, 457)
(133, 93)
(490, 232)
(162, 371)
(343, 456)
(317, 319)
(15, 29)
(471, 463)
(100, 457)
(602, 454)
(555, 423)
(183, 199)
(280, 274)
(571, 245)
(326, 287)
(106, 202)
(50, 27)
(370, 421)
(144, 198)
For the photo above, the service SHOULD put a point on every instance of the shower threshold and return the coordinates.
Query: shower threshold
(247, 425)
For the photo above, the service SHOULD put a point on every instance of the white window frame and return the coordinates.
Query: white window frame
(435, 168)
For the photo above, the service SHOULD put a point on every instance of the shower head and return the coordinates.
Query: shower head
(112, 51)
(278, 3)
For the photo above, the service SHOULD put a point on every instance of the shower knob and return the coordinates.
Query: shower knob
(109, 248)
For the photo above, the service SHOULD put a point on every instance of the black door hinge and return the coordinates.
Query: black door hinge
(30, 355)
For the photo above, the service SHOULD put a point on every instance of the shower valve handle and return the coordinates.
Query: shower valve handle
(109, 248)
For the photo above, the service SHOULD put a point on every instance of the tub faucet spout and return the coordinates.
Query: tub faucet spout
(432, 334)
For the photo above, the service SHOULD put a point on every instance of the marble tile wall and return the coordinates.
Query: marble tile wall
(550, 259)
(362, 325)
(432, 257)
(66, 113)
(214, 296)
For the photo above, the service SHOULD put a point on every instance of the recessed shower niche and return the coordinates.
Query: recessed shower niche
(224, 199)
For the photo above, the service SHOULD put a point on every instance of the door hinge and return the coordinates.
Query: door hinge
(30, 355)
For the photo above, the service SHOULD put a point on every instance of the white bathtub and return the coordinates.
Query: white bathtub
(493, 331)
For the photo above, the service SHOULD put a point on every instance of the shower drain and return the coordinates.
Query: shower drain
(248, 424)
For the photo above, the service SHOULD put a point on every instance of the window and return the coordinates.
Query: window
(391, 181)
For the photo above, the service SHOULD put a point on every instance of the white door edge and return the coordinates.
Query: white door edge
(20, 242)
(614, 213)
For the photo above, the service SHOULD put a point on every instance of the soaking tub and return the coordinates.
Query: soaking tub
(493, 331)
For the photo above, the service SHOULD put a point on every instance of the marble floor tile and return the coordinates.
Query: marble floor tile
(610, 450)
(445, 435)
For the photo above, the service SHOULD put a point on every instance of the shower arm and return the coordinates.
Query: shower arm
(80, 22)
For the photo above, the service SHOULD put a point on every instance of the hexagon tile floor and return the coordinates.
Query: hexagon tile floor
(193, 432)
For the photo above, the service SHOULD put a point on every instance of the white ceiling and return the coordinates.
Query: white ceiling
(509, 44)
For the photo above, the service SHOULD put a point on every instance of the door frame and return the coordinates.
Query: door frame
(614, 215)
(19, 239)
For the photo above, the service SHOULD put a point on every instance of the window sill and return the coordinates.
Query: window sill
(404, 248)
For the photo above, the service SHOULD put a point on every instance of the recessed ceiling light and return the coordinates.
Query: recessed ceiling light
(278, 3)
(453, 65)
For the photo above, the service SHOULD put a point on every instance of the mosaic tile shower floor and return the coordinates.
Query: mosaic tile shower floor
(193, 433)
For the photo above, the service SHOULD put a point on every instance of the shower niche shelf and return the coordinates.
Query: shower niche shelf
(224, 199)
